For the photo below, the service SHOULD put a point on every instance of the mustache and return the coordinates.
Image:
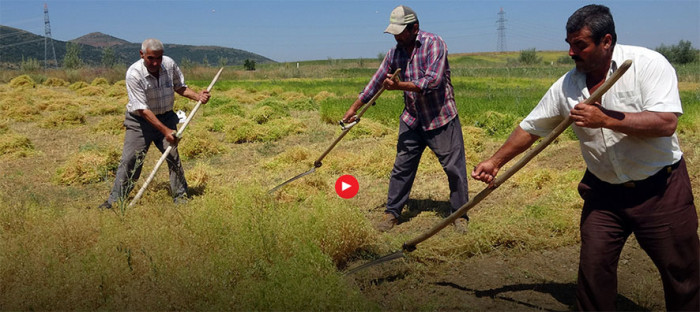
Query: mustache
(575, 58)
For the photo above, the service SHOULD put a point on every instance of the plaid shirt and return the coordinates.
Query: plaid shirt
(148, 92)
(428, 69)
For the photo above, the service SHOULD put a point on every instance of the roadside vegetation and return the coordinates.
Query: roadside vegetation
(236, 247)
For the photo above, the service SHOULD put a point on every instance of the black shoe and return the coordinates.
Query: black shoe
(105, 205)
(181, 200)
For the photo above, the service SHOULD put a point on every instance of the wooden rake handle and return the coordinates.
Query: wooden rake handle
(595, 97)
(170, 147)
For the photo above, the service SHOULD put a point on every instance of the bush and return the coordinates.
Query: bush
(529, 56)
(682, 53)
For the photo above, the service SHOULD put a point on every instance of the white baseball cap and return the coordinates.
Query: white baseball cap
(399, 18)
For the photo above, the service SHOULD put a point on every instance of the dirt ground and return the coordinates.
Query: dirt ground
(535, 281)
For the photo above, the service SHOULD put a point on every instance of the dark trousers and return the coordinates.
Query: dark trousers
(447, 144)
(661, 214)
(138, 138)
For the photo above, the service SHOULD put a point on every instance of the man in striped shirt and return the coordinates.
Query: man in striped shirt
(429, 117)
(151, 84)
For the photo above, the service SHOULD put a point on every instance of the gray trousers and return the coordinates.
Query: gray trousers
(447, 144)
(139, 136)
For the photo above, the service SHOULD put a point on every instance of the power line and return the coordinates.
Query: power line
(48, 39)
(501, 31)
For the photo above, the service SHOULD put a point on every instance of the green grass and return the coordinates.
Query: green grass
(235, 247)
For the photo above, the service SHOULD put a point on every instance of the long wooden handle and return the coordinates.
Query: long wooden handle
(596, 96)
(318, 163)
(170, 147)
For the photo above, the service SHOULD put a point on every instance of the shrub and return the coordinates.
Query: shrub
(682, 53)
(529, 57)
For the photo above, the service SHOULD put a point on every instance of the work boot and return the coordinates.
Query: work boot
(388, 221)
(461, 225)
(181, 199)
(105, 205)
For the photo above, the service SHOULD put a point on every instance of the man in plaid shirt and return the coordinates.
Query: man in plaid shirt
(429, 117)
(151, 84)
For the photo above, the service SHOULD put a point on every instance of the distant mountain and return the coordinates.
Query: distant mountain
(99, 40)
(16, 44)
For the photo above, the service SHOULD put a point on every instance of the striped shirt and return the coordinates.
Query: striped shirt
(427, 68)
(148, 92)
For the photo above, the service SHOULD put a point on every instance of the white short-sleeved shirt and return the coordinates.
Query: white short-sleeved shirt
(650, 84)
(148, 92)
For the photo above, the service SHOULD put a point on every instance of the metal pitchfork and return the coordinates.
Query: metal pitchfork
(170, 147)
(410, 245)
(345, 128)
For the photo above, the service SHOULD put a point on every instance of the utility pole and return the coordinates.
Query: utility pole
(48, 40)
(501, 31)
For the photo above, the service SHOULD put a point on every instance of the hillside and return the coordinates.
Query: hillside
(17, 44)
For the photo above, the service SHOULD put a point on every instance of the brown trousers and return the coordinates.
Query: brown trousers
(660, 212)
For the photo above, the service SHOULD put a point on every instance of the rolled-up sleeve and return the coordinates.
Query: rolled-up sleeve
(378, 79)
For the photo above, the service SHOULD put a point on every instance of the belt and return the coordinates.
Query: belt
(664, 172)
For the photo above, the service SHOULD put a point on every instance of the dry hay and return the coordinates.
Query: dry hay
(266, 113)
(22, 82)
(245, 96)
(199, 143)
(110, 124)
(78, 85)
(87, 167)
(15, 145)
(103, 106)
(322, 96)
(368, 129)
(55, 82)
(99, 81)
(91, 91)
(293, 155)
(241, 130)
(63, 119)
(474, 139)
(199, 175)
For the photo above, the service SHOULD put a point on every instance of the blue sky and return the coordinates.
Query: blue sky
(294, 30)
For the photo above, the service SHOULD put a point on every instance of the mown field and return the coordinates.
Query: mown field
(236, 247)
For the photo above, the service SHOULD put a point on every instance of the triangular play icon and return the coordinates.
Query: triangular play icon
(344, 186)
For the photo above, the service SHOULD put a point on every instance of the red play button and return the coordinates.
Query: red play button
(346, 186)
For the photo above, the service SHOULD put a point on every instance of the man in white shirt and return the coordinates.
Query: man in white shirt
(636, 180)
(151, 84)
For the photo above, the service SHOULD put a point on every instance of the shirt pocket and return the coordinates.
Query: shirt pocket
(627, 101)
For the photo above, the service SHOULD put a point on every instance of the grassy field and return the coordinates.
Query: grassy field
(236, 247)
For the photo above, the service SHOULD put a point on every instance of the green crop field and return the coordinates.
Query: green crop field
(236, 247)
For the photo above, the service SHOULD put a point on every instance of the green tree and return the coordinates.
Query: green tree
(249, 64)
(108, 57)
(185, 63)
(30, 64)
(682, 53)
(72, 58)
(529, 56)
(222, 61)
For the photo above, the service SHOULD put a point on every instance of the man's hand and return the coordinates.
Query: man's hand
(592, 115)
(171, 138)
(389, 83)
(351, 114)
(204, 96)
(485, 171)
